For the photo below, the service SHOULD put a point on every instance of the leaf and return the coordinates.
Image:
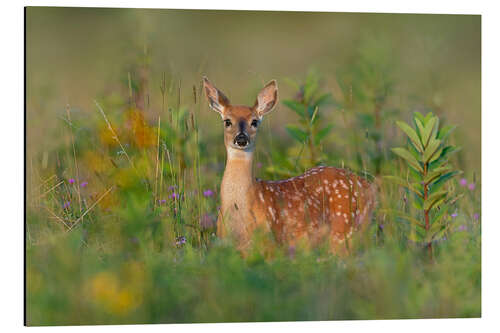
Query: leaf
(402, 182)
(441, 180)
(322, 133)
(436, 155)
(433, 199)
(445, 131)
(429, 127)
(435, 227)
(442, 211)
(417, 205)
(420, 128)
(435, 174)
(311, 85)
(448, 150)
(419, 116)
(436, 235)
(310, 111)
(410, 132)
(427, 118)
(437, 203)
(444, 154)
(405, 154)
(323, 99)
(296, 106)
(296, 133)
(430, 150)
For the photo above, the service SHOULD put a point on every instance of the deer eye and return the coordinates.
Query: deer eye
(227, 122)
(255, 123)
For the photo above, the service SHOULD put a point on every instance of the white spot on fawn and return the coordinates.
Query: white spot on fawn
(271, 211)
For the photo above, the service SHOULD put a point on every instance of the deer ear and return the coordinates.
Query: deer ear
(216, 99)
(267, 98)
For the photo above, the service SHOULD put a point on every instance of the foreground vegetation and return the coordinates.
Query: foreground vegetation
(121, 211)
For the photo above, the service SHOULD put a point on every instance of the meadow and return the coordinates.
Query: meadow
(124, 160)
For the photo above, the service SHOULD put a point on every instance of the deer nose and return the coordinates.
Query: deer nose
(241, 140)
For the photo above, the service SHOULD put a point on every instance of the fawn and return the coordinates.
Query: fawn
(323, 203)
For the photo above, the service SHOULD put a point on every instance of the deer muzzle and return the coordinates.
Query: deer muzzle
(241, 140)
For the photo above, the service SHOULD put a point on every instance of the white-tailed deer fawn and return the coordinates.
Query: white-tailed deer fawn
(323, 203)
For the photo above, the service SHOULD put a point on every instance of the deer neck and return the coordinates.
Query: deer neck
(237, 182)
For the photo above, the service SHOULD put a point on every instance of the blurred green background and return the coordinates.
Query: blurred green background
(76, 54)
(139, 254)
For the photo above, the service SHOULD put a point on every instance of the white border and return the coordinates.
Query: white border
(423, 6)
(12, 159)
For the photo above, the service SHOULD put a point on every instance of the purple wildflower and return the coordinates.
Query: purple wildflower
(208, 193)
(71, 180)
(463, 182)
(454, 215)
(172, 188)
(162, 201)
(476, 216)
(66, 204)
(472, 186)
(174, 195)
(84, 184)
(259, 165)
(462, 228)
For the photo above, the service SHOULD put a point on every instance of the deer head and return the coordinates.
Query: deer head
(241, 122)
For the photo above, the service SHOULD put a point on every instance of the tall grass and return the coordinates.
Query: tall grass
(142, 249)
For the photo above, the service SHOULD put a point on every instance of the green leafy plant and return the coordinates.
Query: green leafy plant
(429, 170)
(306, 104)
